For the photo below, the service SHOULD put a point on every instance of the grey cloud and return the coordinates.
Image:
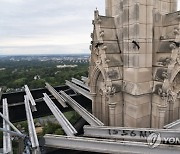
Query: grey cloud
(40, 18)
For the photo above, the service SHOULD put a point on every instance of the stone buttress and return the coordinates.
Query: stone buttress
(134, 68)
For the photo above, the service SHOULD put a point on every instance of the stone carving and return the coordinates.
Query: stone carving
(128, 87)
(178, 60)
(165, 61)
(98, 21)
(96, 14)
(117, 87)
(178, 95)
(104, 47)
(101, 33)
(99, 61)
(107, 61)
(92, 35)
(168, 96)
(98, 44)
(113, 74)
(165, 75)
(170, 91)
(172, 96)
(161, 74)
(162, 93)
(101, 92)
(93, 22)
(110, 90)
(90, 47)
(176, 31)
(176, 83)
(173, 45)
(136, 81)
(96, 51)
(163, 37)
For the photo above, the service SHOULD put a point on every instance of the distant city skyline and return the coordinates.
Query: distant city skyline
(47, 26)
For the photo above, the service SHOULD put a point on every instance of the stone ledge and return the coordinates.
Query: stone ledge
(138, 88)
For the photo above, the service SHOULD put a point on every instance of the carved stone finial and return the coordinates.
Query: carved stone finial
(96, 51)
(172, 96)
(92, 35)
(162, 93)
(168, 61)
(99, 21)
(173, 45)
(93, 22)
(110, 90)
(101, 33)
(178, 60)
(165, 75)
(176, 31)
(96, 14)
(101, 92)
(107, 61)
(99, 61)
(162, 37)
(104, 47)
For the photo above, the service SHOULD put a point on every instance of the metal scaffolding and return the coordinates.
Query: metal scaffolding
(96, 137)
(7, 144)
(91, 119)
(56, 95)
(30, 98)
(78, 89)
(66, 125)
(173, 125)
(80, 83)
(106, 146)
(31, 127)
(136, 134)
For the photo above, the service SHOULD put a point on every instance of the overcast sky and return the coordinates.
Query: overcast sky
(46, 26)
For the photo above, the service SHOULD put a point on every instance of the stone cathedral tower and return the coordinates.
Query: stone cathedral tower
(134, 73)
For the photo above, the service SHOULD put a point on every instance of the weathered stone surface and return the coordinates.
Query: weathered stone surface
(137, 100)
(114, 73)
(137, 75)
(160, 74)
(111, 47)
(171, 19)
(109, 34)
(165, 47)
(135, 63)
(106, 22)
(113, 60)
(137, 88)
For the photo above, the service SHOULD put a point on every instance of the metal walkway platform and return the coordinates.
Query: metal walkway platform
(96, 137)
